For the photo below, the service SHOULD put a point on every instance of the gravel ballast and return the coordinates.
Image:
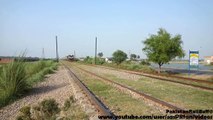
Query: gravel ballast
(58, 86)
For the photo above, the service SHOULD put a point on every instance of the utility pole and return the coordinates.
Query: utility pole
(95, 49)
(57, 58)
(43, 55)
(74, 53)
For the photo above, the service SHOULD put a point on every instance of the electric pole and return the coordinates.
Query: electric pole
(57, 58)
(95, 49)
(43, 55)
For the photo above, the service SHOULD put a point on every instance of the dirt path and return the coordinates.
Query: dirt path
(55, 86)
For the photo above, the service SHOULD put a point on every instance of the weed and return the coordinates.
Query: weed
(49, 107)
(48, 110)
(67, 105)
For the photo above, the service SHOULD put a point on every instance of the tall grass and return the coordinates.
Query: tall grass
(13, 81)
(41, 68)
(19, 76)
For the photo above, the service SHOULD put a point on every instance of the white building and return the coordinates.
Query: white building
(208, 60)
(108, 60)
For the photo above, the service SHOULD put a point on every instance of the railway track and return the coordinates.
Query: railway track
(158, 101)
(160, 77)
(102, 109)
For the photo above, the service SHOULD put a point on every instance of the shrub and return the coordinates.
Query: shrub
(49, 107)
(88, 60)
(134, 67)
(67, 105)
(48, 110)
(144, 62)
(100, 61)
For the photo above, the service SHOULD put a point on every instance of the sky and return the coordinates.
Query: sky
(32, 25)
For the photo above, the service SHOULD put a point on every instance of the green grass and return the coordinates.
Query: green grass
(118, 102)
(13, 81)
(17, 77)
(180, 95)
(111, 66)
(185, 97)
(131, 66)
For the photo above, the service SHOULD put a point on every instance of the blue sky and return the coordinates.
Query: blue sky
(118, 24)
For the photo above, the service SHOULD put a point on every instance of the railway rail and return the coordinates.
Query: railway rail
(102, 109)
(146, 96)
(158, 101)
(162, 77)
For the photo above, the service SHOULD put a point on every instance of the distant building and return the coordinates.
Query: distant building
(81, 58)
(6, 59)
(108, 59)
(208, 60)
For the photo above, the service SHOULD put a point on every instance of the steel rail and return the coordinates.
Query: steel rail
(159, 75)
(93, 99)
(146, 96)
(163, 103)
(159, 78)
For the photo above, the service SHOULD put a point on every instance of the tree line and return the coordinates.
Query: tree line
(159, 48)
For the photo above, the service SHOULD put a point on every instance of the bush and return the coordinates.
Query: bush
(88, 60)
(49, 107)
(48, 110)
(144, 62)
(134, 67)
(100, 61)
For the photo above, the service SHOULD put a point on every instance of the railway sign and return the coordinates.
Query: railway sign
(194, 59)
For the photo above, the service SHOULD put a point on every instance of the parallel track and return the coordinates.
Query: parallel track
(158, 101)
(164, 79)
(102, 109)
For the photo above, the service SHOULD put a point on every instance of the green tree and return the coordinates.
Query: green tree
(133, 56)
(100, 54)
(119, 56)
(162, 48)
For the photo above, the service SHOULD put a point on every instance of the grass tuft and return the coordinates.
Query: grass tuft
(48, 110)
(19, 76)
(13, 81)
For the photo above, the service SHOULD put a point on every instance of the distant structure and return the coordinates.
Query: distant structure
(4, 59)
(108, 59)
(208, 60)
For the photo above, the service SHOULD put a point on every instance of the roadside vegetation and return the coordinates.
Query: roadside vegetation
(119, 61)
(17, 77)
(49, 109)
(143, 66)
